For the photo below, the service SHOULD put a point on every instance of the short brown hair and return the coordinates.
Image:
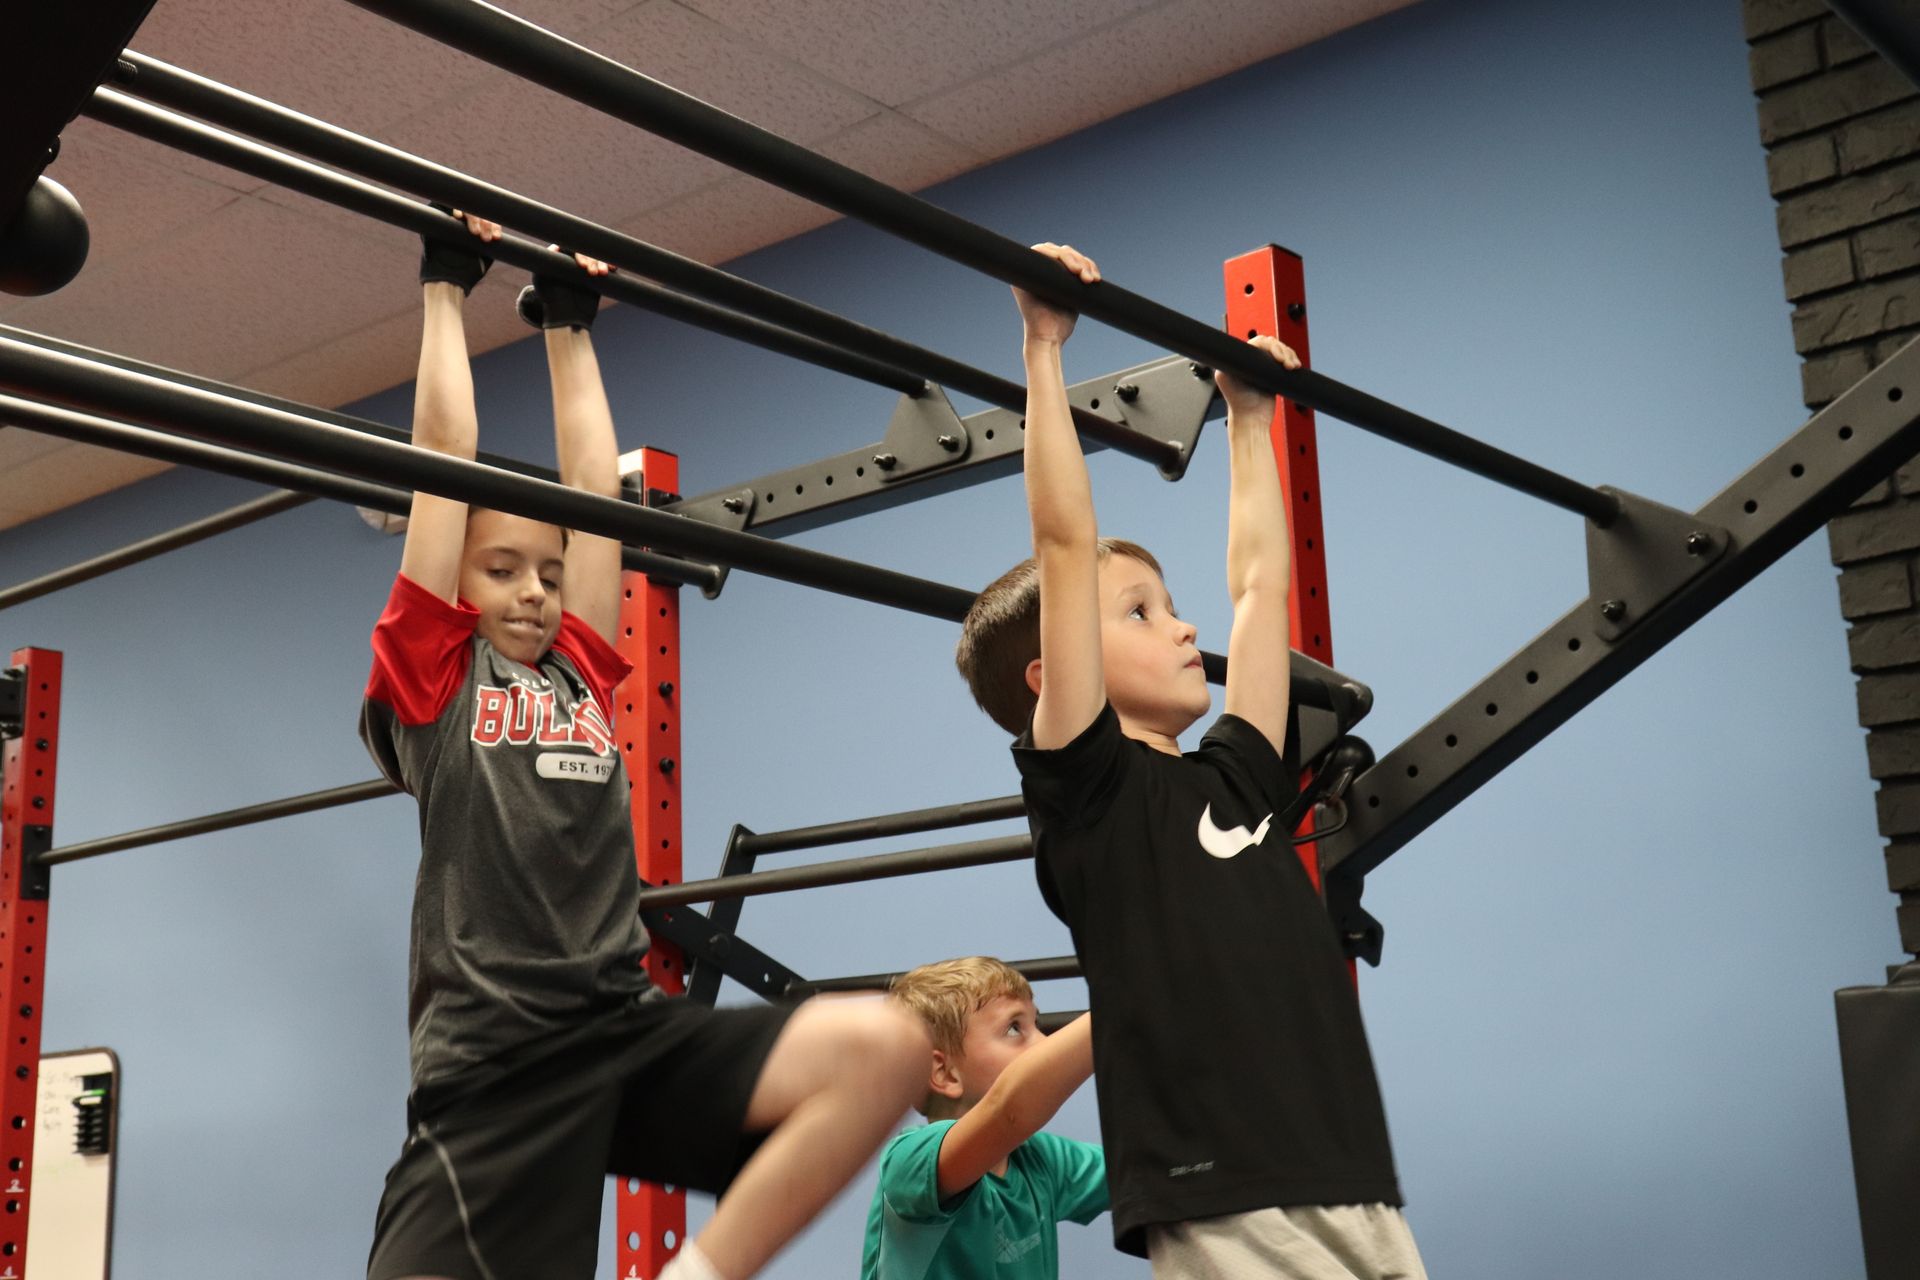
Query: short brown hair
(945, 994)
(1001, 636)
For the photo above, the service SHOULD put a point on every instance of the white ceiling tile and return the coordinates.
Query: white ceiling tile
(551, 149)
(90, 135)
(247, 285)
(897, 52)
(706, 59)
(383, 354)
(727, 219)
(1101, 75)
(900, 151)
(18, 445)
(132, 198)
(61, 477)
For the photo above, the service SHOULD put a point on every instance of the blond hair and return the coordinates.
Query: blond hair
(1001, 636)
(946, 994)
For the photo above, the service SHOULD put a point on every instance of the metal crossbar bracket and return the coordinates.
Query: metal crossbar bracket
(719, 952)
(36, 877)
(1163, 400)
(13, 702)
(703, 976)
(1639, 559)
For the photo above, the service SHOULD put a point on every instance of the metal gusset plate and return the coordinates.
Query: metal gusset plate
(1766, 512)
(711, 947)
(1646, 554)
(1164, 399)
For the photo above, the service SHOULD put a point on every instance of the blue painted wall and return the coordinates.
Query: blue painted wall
(1604, 1024)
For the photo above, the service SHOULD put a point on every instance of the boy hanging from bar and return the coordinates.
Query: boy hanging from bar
(1242, 1122)
(542, 1057)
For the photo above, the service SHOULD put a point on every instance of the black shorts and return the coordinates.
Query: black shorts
(502, 1173)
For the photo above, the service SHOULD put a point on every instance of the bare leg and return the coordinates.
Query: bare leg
(839, 1078)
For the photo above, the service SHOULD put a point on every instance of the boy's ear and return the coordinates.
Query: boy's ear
(945, 1077)
(1033, 676)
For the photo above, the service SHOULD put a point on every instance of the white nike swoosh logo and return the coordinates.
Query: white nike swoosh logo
(1228, 843)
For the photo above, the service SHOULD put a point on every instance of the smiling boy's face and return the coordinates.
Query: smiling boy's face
(510, 570)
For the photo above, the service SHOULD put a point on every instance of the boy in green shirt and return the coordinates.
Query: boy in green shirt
(977, 1193)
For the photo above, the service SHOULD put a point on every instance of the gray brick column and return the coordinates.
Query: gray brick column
(1842, 131)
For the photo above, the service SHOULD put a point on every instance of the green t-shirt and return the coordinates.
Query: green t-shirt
(1000, 1228)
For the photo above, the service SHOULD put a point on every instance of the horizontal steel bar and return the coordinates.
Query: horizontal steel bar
(87, 429)
(194, 138)
(147, 548)
(234, 391)
(225, 821)
(879, 866)
(1031, 970)
(546, 59)
(174, 87)
(754, 843)
(95, 387)
(1773, 506)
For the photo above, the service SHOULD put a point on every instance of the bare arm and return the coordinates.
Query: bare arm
(1259, 558)
(1065, 534)
(589, 459)
(1024, 1098)
(445, 421)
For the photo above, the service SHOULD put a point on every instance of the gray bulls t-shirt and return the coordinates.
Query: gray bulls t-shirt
(525, 909)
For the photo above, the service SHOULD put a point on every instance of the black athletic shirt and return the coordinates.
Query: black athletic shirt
(1230, 1062)
(526, 907)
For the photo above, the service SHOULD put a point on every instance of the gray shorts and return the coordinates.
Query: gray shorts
(1311, 1242)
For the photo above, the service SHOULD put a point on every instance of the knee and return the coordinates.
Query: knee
(889, 1043)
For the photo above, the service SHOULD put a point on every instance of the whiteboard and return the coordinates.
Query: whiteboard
(70, 1215)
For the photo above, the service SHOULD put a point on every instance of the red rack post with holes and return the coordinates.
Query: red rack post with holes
(1267, 294)
(652, 1219)
(26, 830)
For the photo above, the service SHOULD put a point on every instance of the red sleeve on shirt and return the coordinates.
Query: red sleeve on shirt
(422, 647)
(598, 664)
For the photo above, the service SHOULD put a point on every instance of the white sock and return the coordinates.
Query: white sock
(690, 1264)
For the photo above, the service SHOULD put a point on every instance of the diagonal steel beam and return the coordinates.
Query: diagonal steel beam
(1767, 511)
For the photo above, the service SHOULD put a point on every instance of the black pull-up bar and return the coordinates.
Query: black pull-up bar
(913, 821)
(830, 340)
(538, 55)
(94, 386)
(817, 875)
(194, 138)
(305, 482)
(226, 820)
(99, 388)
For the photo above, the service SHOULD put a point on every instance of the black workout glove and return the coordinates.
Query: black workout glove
(442, 261)
(554, 302)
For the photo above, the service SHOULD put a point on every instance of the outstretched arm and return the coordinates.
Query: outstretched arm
(1023, 1099)
(1259, 557)
(1065, 534)
(444, 419)
(589, 459)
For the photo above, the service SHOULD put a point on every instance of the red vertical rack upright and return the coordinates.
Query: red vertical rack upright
(26, 829)
(652, 1219)
(1267, 294)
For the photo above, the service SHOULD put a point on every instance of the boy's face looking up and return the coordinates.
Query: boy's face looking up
(510, 571)
(1148, 656)
(997, 1033)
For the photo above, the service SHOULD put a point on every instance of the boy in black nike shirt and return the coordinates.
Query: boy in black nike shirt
(1242, 1122)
